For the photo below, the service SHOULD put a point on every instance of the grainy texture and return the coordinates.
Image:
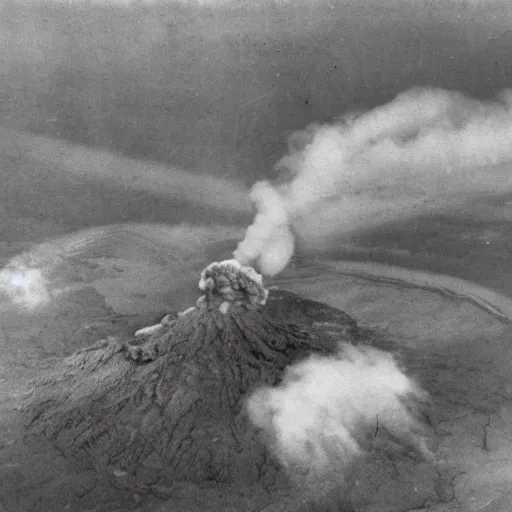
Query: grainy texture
(179, 416)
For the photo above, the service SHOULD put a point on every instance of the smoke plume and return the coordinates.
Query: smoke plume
(268, 240)
(424, 150)
(315, 421)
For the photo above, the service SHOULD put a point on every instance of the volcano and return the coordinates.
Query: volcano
(185, 400)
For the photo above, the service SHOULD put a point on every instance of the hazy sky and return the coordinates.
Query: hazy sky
(440, 3)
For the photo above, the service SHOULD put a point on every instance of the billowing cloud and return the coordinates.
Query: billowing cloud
(424, 150)
(316, 421)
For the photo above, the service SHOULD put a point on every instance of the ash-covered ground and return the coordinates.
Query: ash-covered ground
(124, 129)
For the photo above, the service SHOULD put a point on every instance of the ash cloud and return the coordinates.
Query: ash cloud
(269, 239)
(318, 420)
(426, 149)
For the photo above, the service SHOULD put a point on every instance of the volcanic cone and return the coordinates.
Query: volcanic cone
(170, 403)
(208, 394)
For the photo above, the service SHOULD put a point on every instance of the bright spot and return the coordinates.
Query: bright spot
(26, 287)
(17, 279)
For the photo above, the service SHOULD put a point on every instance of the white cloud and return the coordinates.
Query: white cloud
(426, 149)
